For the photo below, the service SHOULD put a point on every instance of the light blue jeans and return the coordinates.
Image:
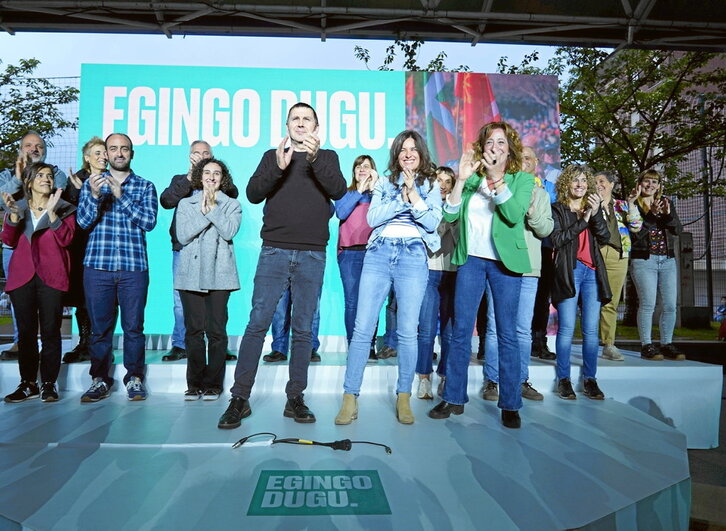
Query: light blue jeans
(586, 294)
(401, 263)
(524, 331)
(177, 336)
(656, 276)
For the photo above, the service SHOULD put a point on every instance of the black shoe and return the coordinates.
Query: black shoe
(175, 354)
(48, 392)
(230, 357)
(670, 352)
(78, 354)
(650, 352)
(546, 354)
(314, 356)
(25, 391)
(443, 410)
(511, 419)
(591, 390)
(295, 408)
(238, 409)
(372, 358)
(564, 389)
(10, 354)
(274, 356)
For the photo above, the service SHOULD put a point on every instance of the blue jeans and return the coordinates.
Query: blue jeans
(438, 305)
(278, 270)
(281, 325)
(655, 276)
(586, 294)
(7, 254)
(471, 281)
(106, 293)
(401, 263)
(177, 336)
(350, 263)
(390, 338)
(524, 332)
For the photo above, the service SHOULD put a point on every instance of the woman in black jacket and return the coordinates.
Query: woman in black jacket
(653, 267)
(579, 232)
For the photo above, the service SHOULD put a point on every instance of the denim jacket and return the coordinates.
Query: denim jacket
(387, 204)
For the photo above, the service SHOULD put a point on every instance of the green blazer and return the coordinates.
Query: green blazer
(508, 227)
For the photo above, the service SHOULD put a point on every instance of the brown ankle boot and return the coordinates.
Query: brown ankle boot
(348, 411)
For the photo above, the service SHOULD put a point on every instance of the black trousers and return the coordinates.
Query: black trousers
(205, 313)
(37, 304)
(541, 314)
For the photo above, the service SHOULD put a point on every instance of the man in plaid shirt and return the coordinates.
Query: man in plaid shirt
(118, 208)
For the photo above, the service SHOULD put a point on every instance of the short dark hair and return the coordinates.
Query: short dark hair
(131, 144)
(30, 172)
(225, 184)
(610, 176)
(304, 106)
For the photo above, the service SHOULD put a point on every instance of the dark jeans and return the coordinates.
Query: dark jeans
(278, 269)
(541, 314)
(280, 328)
(471, 281)
(106, 293)
(205, 313)
(35, 303)
(438, 306)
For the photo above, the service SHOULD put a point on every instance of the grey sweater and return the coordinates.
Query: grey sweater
(207, 256)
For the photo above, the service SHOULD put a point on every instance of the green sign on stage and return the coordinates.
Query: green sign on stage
(318, 492)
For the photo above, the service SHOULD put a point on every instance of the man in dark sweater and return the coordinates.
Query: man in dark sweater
(297, 184)
(179, 188)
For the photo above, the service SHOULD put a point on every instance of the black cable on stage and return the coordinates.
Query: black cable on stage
(344, 444)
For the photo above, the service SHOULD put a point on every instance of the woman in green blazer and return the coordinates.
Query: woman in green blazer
(490, 199)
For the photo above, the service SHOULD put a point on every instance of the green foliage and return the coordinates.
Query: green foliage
(409, 52)
(638, 109)
(29, 103)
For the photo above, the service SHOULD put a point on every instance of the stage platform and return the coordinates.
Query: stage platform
(163, 464)
(683, 394)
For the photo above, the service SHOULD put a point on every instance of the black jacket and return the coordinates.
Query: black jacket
(179, 188)
(565, 238)
(641, 241)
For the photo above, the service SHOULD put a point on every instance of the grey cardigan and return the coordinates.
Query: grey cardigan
(207, 260)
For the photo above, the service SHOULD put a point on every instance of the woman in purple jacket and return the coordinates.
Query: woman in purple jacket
(40, 228)
(353, 235)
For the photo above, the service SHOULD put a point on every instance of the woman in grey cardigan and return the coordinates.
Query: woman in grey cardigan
(206, 222)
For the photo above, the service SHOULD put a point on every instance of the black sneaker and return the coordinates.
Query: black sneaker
(546, 354)
(592, 391)
(295, 408)
(511, 419)
(48, 392)
(175, 354)
(192, 394)
(564, 389)
(314, 356)
(238, 409)
(670, 352)
(650, 352)
(25, 391)
(274, 357)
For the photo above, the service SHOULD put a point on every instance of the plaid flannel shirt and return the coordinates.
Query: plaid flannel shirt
(117, 227)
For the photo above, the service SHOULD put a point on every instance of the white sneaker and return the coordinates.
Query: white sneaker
(611, 352)
(424, 389)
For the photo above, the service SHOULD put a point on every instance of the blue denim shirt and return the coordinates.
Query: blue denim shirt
(387, 204)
